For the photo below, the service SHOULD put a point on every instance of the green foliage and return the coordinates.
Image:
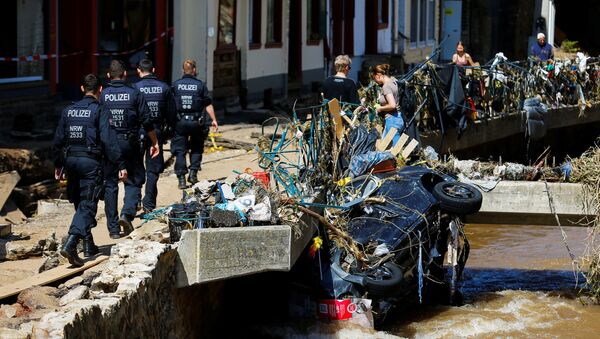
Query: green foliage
(569, 46)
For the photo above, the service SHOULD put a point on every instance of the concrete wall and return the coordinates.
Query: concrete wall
(526, 203)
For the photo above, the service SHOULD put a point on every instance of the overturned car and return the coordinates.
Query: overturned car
(402, 223)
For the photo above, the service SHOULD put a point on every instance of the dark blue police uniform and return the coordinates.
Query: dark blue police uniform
(190, 99)
(83, 137)
(157, 95)
(128, 114)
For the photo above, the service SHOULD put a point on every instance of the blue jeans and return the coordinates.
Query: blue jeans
(394, 120)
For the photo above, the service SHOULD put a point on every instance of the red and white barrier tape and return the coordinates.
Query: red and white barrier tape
(38, 57)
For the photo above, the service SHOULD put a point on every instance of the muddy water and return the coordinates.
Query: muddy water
(518, 282)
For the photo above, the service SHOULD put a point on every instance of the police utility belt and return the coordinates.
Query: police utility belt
(195, 116)
(82, 153)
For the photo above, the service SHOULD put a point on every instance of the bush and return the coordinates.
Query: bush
(569, 46)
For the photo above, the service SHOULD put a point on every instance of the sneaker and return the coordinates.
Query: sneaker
(126, 224)
(115, 236)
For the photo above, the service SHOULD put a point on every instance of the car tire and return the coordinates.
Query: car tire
(388, 286)
(458, 197)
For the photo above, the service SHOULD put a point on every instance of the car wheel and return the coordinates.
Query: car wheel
(458, 197)
(383, 280)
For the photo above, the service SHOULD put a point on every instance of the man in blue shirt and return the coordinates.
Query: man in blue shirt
(542, 51)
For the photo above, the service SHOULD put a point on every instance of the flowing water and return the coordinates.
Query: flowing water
(519, 282)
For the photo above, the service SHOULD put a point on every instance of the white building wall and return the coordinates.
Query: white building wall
(190, 36)
(268, 61)
(359, 27)
(384, 35)
(312, 55)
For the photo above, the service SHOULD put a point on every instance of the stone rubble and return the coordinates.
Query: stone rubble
(137, 280)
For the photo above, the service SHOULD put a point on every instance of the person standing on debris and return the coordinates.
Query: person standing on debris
(339, 86)
(389, 100)
(191, 99)
(83, 137)
(157, 95)
(542, 51)
(128, 114)
(461, 58)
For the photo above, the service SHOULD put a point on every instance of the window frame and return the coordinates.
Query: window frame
(419, 14)
(254, 24)
(221, 45)
(275, 37)
(383, 14)
(314, 21)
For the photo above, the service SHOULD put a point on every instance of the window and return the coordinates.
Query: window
(226, 23)
(315, 20)
(422, 22)
(254, 20)
(383, 13)
(274, 12)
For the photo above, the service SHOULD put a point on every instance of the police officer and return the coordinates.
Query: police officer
(128, 114)
(82, 138)
(157, 95)
(190, 99)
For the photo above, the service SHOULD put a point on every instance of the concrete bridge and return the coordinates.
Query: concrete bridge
(484, 136)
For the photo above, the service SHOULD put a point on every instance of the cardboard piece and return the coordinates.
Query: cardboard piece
(335, 109)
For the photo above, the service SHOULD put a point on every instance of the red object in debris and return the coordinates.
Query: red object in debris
(334, 309)
(385, 166)
(262, 176)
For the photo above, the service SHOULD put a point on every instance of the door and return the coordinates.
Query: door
(451, 27)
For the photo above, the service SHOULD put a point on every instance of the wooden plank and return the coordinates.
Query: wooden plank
(398, 146)
(382, 144)
(48, 277)
(334, 109)
(10, 213)
(8, 181)
(411, 146)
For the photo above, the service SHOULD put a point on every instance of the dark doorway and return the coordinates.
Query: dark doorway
(295, 45)
(371, 25)
(579, 25)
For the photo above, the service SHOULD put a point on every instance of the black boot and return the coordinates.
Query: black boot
(89, 248)
(182, 184)
(69, 251)
(193, 177)
(125, 222)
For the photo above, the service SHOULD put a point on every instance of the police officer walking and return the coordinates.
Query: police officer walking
(190, 98)
(157, 95)
(128, 114)
(82, 138)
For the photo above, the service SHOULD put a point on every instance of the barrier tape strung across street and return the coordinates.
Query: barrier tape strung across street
(145, 44)
(39, 57)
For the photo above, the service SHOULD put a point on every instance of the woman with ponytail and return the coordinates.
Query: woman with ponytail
(389, 100)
